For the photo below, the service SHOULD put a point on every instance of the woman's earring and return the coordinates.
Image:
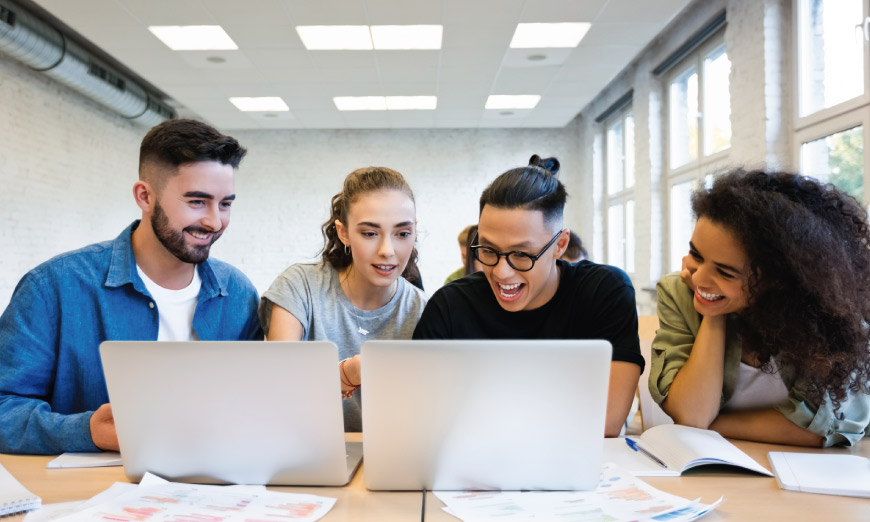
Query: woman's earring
(346, 250)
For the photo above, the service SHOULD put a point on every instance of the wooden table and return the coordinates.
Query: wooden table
(355, 503)
(748, 497)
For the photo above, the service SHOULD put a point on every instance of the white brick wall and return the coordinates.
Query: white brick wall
(67, 167)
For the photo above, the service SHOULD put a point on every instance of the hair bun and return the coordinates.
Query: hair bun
(551, 165)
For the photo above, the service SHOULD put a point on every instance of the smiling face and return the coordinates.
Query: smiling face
(381, 230)
(192, 209)
(720, 269)
(526, 231)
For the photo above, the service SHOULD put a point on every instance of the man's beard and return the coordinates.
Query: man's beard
(173, 240)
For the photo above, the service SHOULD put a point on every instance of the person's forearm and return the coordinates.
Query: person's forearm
(696, 393)
(764, 426)
(30, 427)
(620, 394)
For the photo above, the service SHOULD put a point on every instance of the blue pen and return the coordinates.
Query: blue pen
(637, 447)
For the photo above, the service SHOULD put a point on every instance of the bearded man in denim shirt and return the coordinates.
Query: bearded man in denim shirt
(153, 282)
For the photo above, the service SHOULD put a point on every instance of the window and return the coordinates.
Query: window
(831, 53)
(619, 167)
(699, 134)
(832, 99)
(701, 84)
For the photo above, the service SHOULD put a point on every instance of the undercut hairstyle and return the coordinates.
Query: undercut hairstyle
(357, 184)
(533, 187)
(173, 143)
(808, 246)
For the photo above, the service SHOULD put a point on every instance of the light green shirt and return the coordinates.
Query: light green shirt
(459, 272)
(678, 327)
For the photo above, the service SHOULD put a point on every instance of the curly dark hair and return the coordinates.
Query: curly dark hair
(808, 246)
(359, 182)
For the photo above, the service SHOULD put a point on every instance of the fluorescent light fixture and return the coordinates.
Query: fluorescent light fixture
(260, 104)
(411, 103)
(335, 37)
(360, 103)
(537, 36)
(385, 103)
(194, 37)
(504, 101)
(406, 36)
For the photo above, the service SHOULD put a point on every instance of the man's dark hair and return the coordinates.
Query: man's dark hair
(533, 187)
(176, 142)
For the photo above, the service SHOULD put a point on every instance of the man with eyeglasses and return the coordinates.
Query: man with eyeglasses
(526, 292)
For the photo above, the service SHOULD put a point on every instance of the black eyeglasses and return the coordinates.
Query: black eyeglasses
(519, 261)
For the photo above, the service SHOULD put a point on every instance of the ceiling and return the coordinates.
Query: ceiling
(475, 59)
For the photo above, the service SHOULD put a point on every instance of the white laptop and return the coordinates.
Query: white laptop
(484, 415)
(242, 412)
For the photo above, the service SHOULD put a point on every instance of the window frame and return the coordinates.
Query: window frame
(843, 116)
(698, 170)
(622, 196)
(822, 115)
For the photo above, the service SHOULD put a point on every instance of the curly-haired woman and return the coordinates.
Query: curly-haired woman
(764, 333)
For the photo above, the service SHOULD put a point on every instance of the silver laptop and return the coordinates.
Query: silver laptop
(242, 412)
(484, 415)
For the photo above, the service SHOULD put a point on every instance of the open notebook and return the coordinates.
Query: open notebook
(671, 449)
(15, 498)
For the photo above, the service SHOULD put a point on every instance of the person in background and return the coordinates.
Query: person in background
(764, 333)
(155, 281)
(358, 291)
(472, 265)
(575, 251)
(526, 291)
(462, 271)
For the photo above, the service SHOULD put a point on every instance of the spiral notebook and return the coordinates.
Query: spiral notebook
(14, 498)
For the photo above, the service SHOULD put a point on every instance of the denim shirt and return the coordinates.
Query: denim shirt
(51, 377)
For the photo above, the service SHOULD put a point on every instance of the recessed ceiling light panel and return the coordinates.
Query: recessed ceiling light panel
(411, 103)
(194, 37)
(260, 104)
(335, 37)
(504, 101)
(360, 103)
(386, 37)
(539, 36)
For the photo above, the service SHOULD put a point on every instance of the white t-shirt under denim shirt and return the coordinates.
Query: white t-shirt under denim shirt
(312, 293)
(175, 308)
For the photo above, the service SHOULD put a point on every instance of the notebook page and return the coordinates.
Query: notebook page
(14, 498)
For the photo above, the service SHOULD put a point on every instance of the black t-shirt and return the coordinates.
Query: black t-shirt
(592, 302)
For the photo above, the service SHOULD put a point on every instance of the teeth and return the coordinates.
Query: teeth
(384, 267)
(199, 235)
(508, 291)
(710, 297)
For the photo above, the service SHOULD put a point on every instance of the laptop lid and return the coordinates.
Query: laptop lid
(244, 412)
(484, 415)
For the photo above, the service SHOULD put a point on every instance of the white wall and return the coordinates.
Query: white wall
(67, 167)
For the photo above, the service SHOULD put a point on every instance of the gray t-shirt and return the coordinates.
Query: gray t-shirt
(312, 293)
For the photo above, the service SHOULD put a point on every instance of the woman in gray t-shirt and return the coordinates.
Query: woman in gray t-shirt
(360, 289)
